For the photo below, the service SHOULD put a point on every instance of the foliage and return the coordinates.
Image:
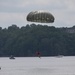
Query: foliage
(25, 41)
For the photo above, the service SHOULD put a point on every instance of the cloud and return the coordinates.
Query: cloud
(15, 11)
(23, 5)
(12, 18)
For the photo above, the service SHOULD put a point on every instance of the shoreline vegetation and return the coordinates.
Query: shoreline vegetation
(27, 40)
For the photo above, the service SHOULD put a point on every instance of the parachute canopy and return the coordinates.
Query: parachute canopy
(40, 16)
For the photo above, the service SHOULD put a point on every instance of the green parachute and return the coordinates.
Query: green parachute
(40, 16)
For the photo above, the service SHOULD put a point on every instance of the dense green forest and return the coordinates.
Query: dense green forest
(25, 41)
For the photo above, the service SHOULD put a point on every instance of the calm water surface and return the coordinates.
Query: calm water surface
(37, 66)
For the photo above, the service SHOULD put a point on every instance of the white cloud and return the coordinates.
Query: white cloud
(15, 11)
(70, 4)
(12, 18)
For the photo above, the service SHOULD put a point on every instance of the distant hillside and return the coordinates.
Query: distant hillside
(29, 39)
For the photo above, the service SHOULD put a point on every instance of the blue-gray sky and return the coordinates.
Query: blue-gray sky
(15, 11)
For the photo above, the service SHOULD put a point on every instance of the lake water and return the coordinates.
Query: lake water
(38, 66)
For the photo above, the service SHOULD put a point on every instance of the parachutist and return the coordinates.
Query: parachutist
(38, 54)
(0, 68)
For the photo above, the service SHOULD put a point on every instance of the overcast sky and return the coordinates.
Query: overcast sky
(15, 11)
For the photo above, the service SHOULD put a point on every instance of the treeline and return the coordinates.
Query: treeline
(29, 39)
